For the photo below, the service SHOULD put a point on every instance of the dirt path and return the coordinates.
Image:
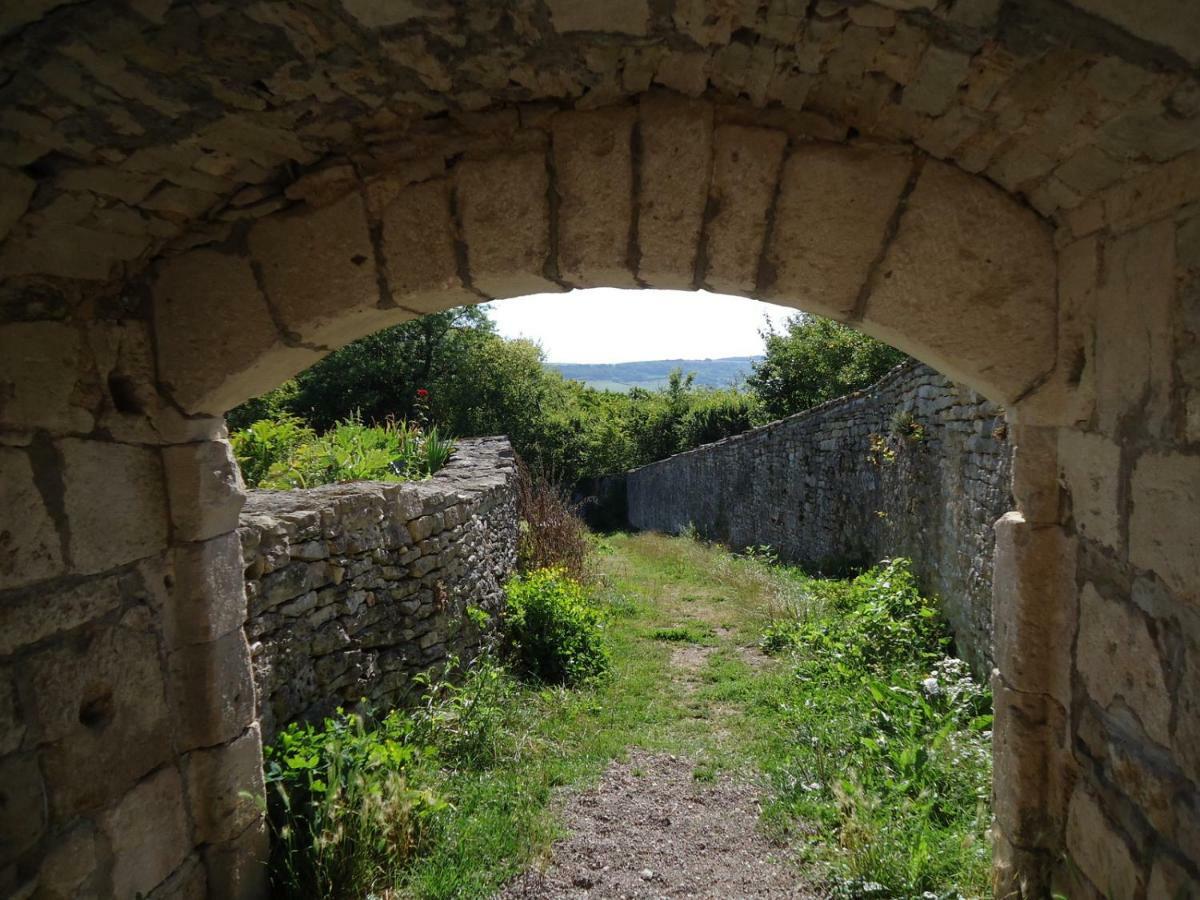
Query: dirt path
(650, 829)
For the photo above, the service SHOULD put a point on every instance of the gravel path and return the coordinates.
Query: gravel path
(649, 829)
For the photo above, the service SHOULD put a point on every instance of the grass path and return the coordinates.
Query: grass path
(685, 674)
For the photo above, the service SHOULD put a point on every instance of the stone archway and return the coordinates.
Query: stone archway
(306, 175)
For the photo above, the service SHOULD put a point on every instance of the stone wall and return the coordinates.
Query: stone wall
(916, 466)
(354, 588)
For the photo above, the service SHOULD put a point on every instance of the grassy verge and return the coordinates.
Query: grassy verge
(877, 775)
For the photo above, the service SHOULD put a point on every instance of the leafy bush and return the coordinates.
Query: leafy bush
(267, 443)
(285, 454)
(555, 633)
(552, 533)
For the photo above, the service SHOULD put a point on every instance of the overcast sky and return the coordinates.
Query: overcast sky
(609, 325)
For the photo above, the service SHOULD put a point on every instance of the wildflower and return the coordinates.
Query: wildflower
(421, 392)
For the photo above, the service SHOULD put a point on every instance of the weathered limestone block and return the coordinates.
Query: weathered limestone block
(68, 863)
(208, 599)
(1119, 660)
(1097, 849)
(967, 263)
(44, 246)
(614, 17)
(109, 682)
(504, 208)
(38, 613)
(125, 383)
(22, 806)
(593, 169)
(746, 170)
(1029, 754)
(1168, 879)
(676, 164)
(12, 724)
(1069, 396)
(148, 834)
(418, 245)
(834, 208)
(318, 272)
(1035, 483)
(32, 549)
(237, 869)
(1034, 607)
(188, 882)
(1164, 530)
(222, 786)
(1187, 721)
(213, 691)
(936, 82)
(204, 486)
(41, 366)
(114, 502)
(1163, 23)
(1153, 194)
(16, 189)
(1133, 340)
(1090, 466)
(217, 342)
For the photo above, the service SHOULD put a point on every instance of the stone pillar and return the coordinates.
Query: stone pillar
(1034, 611)
(123, 745)
(210, 682)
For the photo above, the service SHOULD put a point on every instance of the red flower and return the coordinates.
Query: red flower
(421, 392)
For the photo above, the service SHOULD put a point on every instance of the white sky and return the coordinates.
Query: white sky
(605, 325)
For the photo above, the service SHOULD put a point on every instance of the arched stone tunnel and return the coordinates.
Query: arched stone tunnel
(198, 200)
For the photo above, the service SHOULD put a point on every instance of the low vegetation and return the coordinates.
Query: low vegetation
(871, 742)
(284, 453)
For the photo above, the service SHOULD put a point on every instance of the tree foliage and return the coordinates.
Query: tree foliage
(478, 383)
(814, 360)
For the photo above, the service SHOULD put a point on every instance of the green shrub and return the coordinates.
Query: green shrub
(285, 454)
(555, 633)
(267, 443)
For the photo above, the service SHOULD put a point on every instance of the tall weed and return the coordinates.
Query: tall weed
(889, 742)
(552, 533)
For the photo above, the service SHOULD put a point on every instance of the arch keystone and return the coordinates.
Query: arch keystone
(593, 163)
(504, 208)
(675, 170)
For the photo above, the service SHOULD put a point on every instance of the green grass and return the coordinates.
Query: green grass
(871, 781)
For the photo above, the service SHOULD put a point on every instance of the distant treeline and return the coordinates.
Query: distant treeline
(651, 374)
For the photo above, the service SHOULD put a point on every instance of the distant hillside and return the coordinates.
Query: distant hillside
(653, 373)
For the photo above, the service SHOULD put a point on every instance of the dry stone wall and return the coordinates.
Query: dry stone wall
(916, 466)
(353, 589)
